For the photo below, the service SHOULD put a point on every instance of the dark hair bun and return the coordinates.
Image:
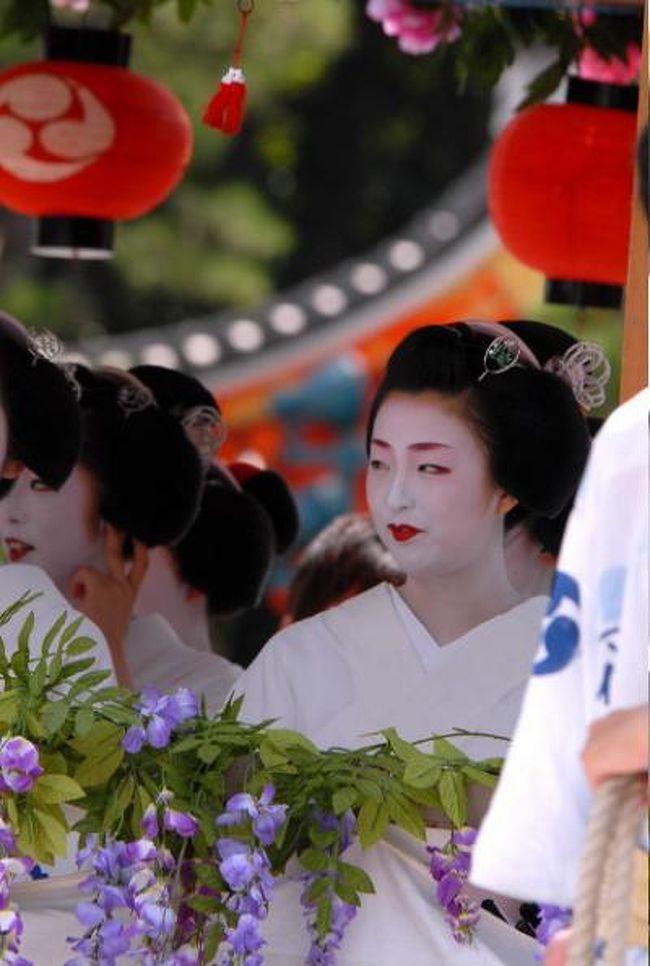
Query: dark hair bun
(149, 474)
(229, 551)
(42, 414)
(175, 392)
(270, 490)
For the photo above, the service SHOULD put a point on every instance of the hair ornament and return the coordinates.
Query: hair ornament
(586, 369)
(68, 370)
(206, 430)
(133, 399)
(501, 355)
(44, 344)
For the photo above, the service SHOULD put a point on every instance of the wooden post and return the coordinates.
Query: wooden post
(634, 363)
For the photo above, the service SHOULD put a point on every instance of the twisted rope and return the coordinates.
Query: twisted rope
(604, 890)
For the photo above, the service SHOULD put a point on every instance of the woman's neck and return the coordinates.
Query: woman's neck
(452, 604)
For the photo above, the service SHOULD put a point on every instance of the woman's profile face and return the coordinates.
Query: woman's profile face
(430, 492)
(58, 530)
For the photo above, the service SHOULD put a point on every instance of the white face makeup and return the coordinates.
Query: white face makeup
(428, 485)
(58, 530)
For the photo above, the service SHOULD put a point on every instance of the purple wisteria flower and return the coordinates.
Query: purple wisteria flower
(323, 948)
(267, 819)
(246, 870)
(19, 765)
(551, 920)
(160, 714)
(11, 924)
(183, 823)
(449, 869)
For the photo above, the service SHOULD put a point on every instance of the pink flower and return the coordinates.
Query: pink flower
(78, 6)
(615, 71)
(417, 31)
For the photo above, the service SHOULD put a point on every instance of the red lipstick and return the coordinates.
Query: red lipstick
(16, 549)
(403, 532)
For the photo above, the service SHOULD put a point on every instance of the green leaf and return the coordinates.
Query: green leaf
(53, 789)
(343, 799)
(346, 893)
(80, 645)
(445, 749)
(52, 634)
(9, 706)
(208, 753)
(95, 771)
(354, 877)
(475, 774)
(283, 739)
(372, 822)
(88, 681)
(404, 751)
(318, 888)
(20, 659)
(53, 829)
(186, 9)
(84, 721)
(314, 861)
(324, 915)
(453, 797)
(422, 774)
(406, 815)
(70, 631)
(53, 716)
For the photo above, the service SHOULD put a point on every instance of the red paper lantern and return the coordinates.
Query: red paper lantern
(560, 190)
(88, 141)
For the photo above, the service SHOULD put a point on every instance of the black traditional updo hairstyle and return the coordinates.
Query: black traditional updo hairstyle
(534, 432)
(548, 343)
(148, 473)
(43, 418)
(246, 517)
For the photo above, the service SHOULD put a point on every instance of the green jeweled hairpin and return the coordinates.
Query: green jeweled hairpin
(501, 354)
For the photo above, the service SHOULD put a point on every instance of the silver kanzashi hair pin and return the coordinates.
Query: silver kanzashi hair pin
(68, 370)
(44, 344)
(586, 369)
(501, 354)
(206, 430)
(133, 399)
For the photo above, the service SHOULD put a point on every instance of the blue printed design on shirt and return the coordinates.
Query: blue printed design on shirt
(560, 631)
(611, 587)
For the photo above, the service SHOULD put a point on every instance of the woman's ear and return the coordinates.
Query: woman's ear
(506, 503)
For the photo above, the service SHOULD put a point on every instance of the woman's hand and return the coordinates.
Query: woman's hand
(617, 745)
(557, 952)
(108, 597)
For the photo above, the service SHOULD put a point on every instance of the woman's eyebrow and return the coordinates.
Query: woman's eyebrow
(421, 447)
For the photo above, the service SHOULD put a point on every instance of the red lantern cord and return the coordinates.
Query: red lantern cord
(225, 112)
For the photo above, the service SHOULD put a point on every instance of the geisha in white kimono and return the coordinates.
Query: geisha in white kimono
(464, 426)
(40, 432)
(139, 473)
(250, 512)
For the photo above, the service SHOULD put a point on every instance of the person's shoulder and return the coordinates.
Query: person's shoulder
(626, 425)
(18, 580)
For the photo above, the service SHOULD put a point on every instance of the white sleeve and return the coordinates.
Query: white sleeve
(300, 678)
(156, 655)
(19, 579)
(530, 841)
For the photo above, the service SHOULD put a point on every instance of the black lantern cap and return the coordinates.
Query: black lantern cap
(596, 295)
(74, 237)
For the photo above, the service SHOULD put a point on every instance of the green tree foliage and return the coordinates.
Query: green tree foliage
(345, 139)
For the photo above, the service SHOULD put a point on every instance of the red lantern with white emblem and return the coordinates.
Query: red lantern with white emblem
(84, 141)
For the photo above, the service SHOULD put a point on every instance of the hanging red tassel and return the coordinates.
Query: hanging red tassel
(225, 112)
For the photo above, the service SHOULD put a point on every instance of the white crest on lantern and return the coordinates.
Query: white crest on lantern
(38, 107)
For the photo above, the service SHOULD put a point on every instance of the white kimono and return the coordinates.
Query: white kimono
(369, 664)
(47, 905)
(593, 659)
(155, 655)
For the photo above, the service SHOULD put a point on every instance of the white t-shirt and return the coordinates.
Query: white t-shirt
(592, 659)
